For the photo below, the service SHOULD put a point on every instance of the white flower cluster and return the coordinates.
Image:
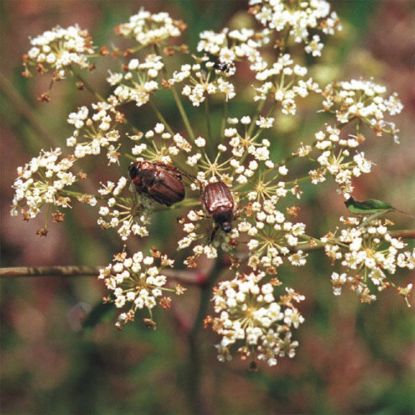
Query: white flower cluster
(94, 130)
(138, 81)
(365, 101)
(271, 237)
(130, 214)
(231, 46)
(285, 81)
(203, 81)
(159, 145)
(41, 182)
(251, 320)
(137, 282)
(300, 21)
(148, 29)
(209, 75)
(369, 255)
(238, 157)
(60, 48)
(339, 158)
(248, 151)
(361, 103)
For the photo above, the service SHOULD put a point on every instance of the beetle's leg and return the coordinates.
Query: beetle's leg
(213, 234)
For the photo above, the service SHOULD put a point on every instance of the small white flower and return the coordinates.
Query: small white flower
(200, 142)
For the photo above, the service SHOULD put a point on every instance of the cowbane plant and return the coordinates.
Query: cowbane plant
(237, 201)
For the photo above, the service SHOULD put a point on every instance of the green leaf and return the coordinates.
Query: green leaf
(367, 207)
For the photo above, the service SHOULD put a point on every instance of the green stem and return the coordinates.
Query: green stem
(188, 202)
(87, 85)
(258, 111)
(183, 113)
(285, 42)
(138, 48)
(129, 157)
(225, 117)
(207, 115)
(161, 117)
(299, 180)
(177, 99)
(375, 216)
(79, 195)
(72, 193)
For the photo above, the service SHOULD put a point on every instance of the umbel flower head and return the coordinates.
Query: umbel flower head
(138, 83)
(251, 320)
(42, 182)
(147, 28)
(59, 50)
(225, 177)
(138, 282)
(365, 101)
(95, 128)
(298, 22)
(129, 213)
(369, 255)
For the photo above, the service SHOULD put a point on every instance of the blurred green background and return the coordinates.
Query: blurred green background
(352, 359)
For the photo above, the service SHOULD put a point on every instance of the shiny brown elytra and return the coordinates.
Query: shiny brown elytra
(161, 182)
(218, 202)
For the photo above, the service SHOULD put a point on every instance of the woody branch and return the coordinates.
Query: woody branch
(183, 276)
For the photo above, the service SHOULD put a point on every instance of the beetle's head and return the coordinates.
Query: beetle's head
(134, 170)
(223, 217)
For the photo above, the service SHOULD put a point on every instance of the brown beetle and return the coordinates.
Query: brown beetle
(161, 182)
(218, 202)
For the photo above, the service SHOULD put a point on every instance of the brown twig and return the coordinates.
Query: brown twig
(405, 234)
(49, 271)
(183, 276)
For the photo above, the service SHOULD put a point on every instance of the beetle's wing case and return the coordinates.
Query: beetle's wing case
(167, 188)
(161, 182)
(165, 195)
(217, 195)
(171, 169)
